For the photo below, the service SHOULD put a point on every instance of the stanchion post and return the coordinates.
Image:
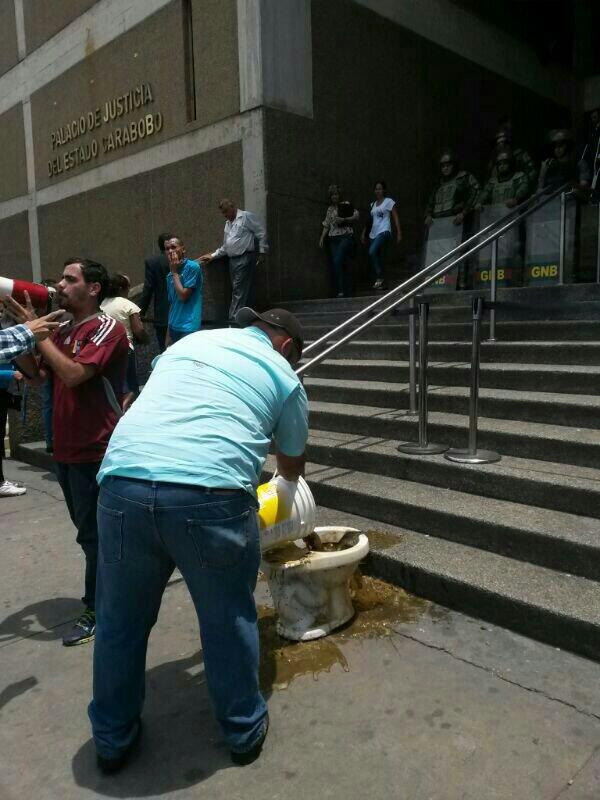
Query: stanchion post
(563, 238)
(493, 288)
(473, 455)
(423, 446)
(412, 359)
(598, 248)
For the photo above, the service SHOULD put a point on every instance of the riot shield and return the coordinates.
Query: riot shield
(510, 262)
(443, 236)
(542, 249)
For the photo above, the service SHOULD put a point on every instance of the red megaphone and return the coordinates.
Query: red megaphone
(16, 288)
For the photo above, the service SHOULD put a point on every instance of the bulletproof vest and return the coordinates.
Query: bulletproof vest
(501, 191)
(559, 172)
(448, 195)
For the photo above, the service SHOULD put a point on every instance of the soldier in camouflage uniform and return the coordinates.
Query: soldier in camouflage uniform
(507, 186)
(523, 162)
(563, 166)
(455, 195)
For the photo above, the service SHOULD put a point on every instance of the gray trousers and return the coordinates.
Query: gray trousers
(241, 272)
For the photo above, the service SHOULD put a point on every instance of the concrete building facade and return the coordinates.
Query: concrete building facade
(123, 118)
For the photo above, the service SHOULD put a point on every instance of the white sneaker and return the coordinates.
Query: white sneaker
(9, 489)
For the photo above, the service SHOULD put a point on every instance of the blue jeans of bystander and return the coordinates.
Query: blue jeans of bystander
(146, 529)
(341, 247)
(375, 248)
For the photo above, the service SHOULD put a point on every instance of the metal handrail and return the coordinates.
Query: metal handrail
(524, 210)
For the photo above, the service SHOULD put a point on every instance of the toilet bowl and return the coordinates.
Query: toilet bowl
(311, 589)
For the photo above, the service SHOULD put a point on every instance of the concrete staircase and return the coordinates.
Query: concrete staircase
(516, 543)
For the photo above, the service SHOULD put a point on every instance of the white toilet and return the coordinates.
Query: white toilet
(311, 591)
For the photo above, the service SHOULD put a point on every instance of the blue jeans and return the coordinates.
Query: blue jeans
(340, 247)
(78, 484)
(146, 529)
(375, 249)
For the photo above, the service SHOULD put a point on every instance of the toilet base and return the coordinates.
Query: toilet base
(313, 633)
(311, 594)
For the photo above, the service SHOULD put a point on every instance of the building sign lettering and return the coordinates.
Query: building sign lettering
(104, 142)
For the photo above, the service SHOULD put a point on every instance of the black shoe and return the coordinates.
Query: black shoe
(82, 631)
(248, 756)
(111, 765)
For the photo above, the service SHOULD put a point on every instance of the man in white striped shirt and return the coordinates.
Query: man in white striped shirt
(243, 230)
(88, 360)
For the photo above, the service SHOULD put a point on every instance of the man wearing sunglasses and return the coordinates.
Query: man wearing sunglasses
(563, 167)
(454, 195)
(506, 186)
(178, 488)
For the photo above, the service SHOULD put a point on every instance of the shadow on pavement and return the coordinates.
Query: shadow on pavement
(46, 474)
(181, 743)
(48, 615)
(16, 689)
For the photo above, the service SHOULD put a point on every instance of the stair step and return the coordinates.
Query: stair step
(559, 443)
(553, 607)
(552, 353)
(558, 487)
(552, 539)
(526, 295)
(561, 378)
(545, 407)
(585, 310)
(391, 330)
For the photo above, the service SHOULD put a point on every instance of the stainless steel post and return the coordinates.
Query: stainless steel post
(563, 237)
(493, 287)
(473, 455)
(598, 248)
(412, 359)
(423, 446)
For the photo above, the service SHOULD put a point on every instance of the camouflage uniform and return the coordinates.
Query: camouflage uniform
(524, 163)
(455, 196)
(497, 192)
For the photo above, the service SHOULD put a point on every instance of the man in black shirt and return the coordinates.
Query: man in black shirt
(155, 283)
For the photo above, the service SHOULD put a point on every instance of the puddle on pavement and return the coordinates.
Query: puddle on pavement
(282, 661)
(379, 607)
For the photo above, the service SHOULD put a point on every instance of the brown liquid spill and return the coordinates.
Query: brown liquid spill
(379, 606)
(381, 540)
(282, 661)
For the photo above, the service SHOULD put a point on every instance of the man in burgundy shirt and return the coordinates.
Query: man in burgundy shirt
(87, 359)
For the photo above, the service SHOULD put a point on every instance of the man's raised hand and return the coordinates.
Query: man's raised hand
(42, 327)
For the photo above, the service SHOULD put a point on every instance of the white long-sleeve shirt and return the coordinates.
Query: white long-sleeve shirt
(239, 235)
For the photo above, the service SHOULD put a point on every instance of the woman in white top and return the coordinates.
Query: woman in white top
(117, 305)
(383, 211)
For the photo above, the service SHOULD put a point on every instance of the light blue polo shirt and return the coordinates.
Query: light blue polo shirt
(207, 415)
(186, 317)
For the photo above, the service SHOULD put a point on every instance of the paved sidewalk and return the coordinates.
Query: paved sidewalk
(444, 707)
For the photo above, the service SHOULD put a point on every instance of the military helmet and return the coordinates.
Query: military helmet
(561, 135)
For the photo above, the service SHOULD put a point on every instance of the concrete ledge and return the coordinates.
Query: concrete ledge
(34, 453)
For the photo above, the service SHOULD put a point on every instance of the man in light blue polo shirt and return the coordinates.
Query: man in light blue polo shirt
(184, 288)
(178, 488)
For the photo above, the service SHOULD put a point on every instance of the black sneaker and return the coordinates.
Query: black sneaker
(111, 765)
(82, 631)
(248, 756)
